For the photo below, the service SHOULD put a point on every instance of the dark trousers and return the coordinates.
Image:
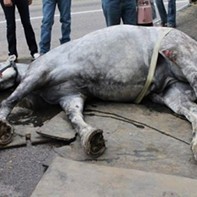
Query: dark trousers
(23, 9)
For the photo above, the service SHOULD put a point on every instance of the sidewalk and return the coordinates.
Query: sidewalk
(186, 20)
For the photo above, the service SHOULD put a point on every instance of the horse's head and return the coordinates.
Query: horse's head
(8, 74)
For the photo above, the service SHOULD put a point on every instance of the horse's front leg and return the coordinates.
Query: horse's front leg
(91, 138)
(7, 105)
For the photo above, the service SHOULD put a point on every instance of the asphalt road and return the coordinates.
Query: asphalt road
(87, 16)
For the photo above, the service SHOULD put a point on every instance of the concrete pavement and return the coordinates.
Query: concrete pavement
(130, 145)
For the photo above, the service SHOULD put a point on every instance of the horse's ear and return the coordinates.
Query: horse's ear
(169, 54)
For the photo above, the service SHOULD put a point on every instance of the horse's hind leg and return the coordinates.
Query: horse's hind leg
(180, 98)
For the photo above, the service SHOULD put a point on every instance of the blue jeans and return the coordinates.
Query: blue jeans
(117, 10)
(170, 16)
(48, 10)
(23, 9)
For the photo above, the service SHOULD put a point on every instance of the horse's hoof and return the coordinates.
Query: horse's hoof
(93, 143)
(6, 133)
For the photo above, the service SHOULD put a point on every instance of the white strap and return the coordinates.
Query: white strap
(152, 65)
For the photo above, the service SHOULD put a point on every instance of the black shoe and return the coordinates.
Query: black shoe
(163, 24)
(171, 25)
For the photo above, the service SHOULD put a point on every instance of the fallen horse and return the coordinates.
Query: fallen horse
(111, 64)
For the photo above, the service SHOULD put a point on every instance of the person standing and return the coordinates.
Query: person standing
(9, 7)
(48, 10)
(117, 10)
(167, 18)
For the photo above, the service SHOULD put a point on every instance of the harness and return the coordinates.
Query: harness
(11, 63)
(152, 66)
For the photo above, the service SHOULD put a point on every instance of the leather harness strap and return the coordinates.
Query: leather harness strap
(11, 63)
(152, 65)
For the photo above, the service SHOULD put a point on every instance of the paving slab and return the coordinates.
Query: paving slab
(24, 130)
(70, 178)
(138, 137)
(58, 128)
(145, 137)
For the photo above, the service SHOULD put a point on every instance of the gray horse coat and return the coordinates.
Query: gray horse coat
(111, 64)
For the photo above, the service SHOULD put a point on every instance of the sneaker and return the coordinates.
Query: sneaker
(35, 56)
(11, 58)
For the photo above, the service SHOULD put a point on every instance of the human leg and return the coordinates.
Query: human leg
(11, 28)
(112, 12)
(65, 19)
(23, 9)
(48, 10)
(162, 11)
(129, 14)
(171, 16)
